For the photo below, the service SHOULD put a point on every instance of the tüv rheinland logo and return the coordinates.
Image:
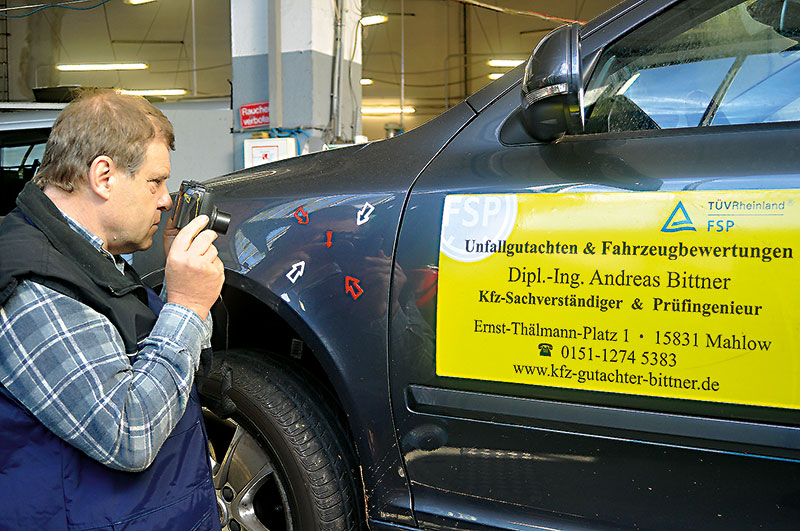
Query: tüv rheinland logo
(679, 220)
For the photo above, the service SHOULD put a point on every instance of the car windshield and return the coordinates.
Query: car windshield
(719, 65)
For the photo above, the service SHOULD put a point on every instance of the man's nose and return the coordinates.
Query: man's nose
(165, 202)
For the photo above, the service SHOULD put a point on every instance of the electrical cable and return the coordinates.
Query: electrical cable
(199, 69)
(281, 132)
(425, 72)
(57, 37)
(485, 36)
(183, 46)
(111, 42)
(353, 99)
(328, 130)
(510, 11)
(41, 7)
(435, 85)
(150, 27)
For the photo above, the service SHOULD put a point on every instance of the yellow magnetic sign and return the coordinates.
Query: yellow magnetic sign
(689, 295)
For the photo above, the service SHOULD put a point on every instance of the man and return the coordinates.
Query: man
(99, 422)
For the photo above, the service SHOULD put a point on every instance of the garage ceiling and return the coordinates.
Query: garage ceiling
(438, 55)
(447, 46)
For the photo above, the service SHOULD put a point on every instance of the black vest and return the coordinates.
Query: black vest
(45, 249)
(48, 484)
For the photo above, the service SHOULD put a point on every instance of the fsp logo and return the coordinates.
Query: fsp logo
(483, 218)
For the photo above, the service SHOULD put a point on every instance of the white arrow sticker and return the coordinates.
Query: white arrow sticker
(296, 272)
(364, 213)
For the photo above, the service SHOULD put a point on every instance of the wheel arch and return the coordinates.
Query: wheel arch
(252, 317)
(248, 312)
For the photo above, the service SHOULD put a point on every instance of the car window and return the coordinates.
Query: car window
(13, 157)
(18, 163)
(702, 63)
(36, 154)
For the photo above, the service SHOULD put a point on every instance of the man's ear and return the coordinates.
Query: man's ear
(102, 176)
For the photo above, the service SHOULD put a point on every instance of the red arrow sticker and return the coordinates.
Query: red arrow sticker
(351, 286)
(329, 241)
(301, 216)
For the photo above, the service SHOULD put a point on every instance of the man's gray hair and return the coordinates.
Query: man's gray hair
(100, 122)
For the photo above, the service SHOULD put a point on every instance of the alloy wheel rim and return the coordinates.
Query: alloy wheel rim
(251, 494)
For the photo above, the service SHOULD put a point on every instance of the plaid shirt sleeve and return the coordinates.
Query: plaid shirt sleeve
(66, 363)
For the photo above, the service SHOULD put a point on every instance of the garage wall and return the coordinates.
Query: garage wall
(203, 145)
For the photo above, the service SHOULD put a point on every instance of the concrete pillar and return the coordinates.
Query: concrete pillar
(313, 98)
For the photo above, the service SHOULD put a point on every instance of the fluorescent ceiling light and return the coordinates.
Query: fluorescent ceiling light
(377, 111)
(495, 75)
(366, 81)
(137, 2)
(371, 20)
(102, 66)
(154, 92)
(510, 63)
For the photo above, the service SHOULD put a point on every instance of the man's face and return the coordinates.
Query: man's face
(138, 202)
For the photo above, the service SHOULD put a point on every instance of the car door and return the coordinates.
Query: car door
(601, 332)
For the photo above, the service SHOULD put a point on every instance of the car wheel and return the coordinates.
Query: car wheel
(280, 457)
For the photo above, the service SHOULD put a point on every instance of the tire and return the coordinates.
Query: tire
(280, 457)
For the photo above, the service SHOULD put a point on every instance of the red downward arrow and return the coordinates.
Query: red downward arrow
(301, 216)
(351, 286)
(329, 242)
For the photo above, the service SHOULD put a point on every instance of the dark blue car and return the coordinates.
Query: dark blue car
(569, 302)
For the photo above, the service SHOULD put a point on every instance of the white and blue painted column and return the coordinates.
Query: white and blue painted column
(315, 99)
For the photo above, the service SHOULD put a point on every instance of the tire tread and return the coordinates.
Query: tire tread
(308, 427)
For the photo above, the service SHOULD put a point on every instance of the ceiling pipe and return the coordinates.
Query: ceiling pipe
(339, 66)
(194, 53)
(402, 63)
(275, 65)
(447, 73)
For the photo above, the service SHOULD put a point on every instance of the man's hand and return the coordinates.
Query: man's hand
(194, 274)
(170, 232)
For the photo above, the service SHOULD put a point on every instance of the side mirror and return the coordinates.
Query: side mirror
(552, 87)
